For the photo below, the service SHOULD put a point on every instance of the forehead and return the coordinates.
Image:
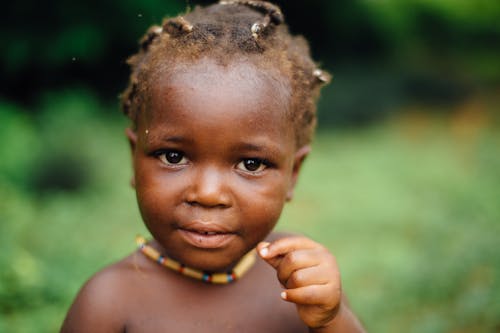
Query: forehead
(235, 85)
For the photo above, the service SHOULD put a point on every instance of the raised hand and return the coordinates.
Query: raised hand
(311, 278)
(310, 275)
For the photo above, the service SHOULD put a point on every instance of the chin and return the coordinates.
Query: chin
(213, 261)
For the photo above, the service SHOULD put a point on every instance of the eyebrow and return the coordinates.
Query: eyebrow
(252, 147)
(243, 146)
(155, 139)
(176, 139)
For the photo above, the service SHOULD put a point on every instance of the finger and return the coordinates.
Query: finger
(322, 295)
(315, 275)
(275, 251)
(297, 260)
(263, 251)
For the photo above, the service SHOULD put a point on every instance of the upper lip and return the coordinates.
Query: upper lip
(206, 227)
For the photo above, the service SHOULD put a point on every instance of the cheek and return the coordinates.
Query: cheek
(263, 204)
(264, 217)
(150, 206)
(154, 193)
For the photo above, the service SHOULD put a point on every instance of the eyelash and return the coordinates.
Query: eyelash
(163, 156)
(262, 165)
(179, 157)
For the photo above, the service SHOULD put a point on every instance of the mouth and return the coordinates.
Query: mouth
(206, 235)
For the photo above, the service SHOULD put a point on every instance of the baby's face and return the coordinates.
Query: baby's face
(214, 159)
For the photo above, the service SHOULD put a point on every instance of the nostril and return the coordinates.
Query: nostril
(209, 187)
(206, 204)
(191, 203)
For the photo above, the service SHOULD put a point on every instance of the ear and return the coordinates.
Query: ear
(299, 158)
(132, 140)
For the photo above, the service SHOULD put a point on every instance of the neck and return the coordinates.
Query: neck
(235, 273)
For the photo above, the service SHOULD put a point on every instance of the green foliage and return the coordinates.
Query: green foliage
(457, 37)
(55, 34)
(409, 208)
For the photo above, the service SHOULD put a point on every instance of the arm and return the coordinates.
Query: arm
(345, 321)
(311, 277)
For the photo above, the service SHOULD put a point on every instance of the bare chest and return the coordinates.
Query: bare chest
(210, 317)
(250, 305)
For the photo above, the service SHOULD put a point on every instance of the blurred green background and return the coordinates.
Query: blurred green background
(403, 184)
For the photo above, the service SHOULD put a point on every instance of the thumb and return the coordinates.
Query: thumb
(263, 251)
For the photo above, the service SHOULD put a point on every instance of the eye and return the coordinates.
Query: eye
(252, 165)
(172, 157)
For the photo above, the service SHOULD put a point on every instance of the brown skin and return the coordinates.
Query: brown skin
(216, 152)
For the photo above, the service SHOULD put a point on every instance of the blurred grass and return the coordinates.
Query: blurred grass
(409, 207)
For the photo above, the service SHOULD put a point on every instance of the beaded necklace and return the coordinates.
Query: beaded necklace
(216, 278)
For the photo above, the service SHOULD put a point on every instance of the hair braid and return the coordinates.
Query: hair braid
(177, 26)
(152, 33)
(273, 14)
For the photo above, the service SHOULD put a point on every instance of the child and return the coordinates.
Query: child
(222, 103)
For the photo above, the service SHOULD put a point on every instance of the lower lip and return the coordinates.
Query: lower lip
(205, 241)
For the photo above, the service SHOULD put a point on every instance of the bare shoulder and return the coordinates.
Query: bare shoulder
(100, 305)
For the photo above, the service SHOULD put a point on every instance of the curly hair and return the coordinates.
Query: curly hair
(225, 32)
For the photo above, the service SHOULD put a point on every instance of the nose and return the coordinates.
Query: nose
(209, 188)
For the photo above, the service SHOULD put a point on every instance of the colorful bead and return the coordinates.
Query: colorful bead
(219, 278)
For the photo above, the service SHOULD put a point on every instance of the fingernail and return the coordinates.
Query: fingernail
(264, 250)
(283, 294)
